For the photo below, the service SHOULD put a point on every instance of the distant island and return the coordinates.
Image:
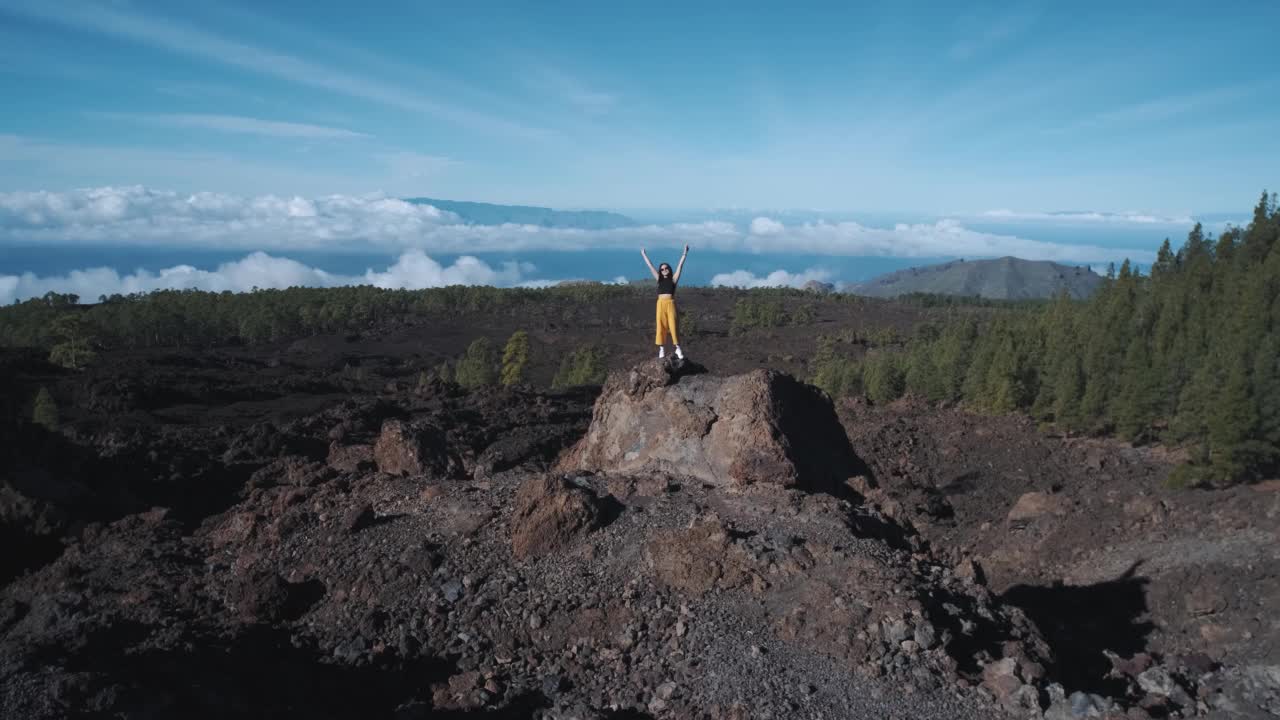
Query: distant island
(479, 213)
(1006, 278)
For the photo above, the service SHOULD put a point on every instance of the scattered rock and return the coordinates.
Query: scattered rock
(358, 518)
(350, 458)
(1159, 682)
(1033, 505)
(411, 449)
(699, 559)
(925, 636)
(1204, 599)
(1002, 680)
(549, 513)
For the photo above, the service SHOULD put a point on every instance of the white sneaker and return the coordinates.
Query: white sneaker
(679, 354)
(662, 352)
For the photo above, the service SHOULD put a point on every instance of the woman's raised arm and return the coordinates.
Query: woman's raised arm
(680, 266)
(652, 271)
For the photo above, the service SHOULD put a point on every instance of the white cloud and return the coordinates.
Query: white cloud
(240, 124)
(1141, 218)
(777, 278)
(413, 270)
(141, 216)
(766, 226)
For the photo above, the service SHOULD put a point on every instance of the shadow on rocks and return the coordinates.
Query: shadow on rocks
(262, 674)
(1080, 621)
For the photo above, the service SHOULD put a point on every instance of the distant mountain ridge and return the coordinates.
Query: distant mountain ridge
(1006, 278)
(480, 213)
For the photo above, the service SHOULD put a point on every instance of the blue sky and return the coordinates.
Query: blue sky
(880, 107)
(252, 136)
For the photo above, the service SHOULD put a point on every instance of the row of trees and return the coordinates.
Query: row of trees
(1189, 354)
(767, 310)
(181, 318)
(481, 365)
(176, 318)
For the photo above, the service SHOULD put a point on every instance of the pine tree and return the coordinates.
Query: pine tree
(1138, 399)
(73, 349)
(476, 367)
(45, 412)
(954, 354)
(1266, 387)
(1233, 427)
(1068, 391)
(883, 378)
(444, 371)
(586, 365)
(1261, 235)
(923, 376)
(1006, 384)
(1057, 331)
(1165, 261)
(514, 358)
(839, 376)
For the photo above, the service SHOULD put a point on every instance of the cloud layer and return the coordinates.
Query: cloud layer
(141, 216)
(413, 270)
(1139, 218)
(777, 278)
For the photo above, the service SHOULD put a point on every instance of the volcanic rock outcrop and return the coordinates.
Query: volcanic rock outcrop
(416, 554)
(762, 427)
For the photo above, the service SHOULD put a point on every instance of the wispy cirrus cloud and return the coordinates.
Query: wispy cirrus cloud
(239, 124)
(49, 163)
(981, 33)
(116, 21)
(569, 90)
(1155, 110)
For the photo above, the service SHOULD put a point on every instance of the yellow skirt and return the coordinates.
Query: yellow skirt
(666, 321)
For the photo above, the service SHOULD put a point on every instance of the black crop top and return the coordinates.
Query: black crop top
(666, 285)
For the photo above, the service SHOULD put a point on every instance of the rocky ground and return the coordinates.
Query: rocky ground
(1088, 539)
(248, 533)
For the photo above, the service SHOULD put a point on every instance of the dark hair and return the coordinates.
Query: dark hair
(664, 265)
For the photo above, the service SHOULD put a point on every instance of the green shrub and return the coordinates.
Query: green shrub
(476, 367)
(757, 312)
(806, 314)
(73, 347)
(882, 336)
(585, 366)
(883, 378)
(45, 412)
(444, 371)
(840, 376)
(687, 325)
(1182, 478)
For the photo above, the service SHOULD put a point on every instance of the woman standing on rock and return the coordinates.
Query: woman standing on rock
(666, 315)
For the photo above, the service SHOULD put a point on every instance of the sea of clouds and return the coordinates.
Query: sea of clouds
(267, 226)
(413, 270)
